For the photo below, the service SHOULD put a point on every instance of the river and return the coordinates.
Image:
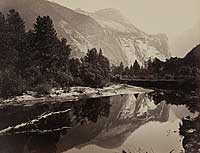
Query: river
(133, 123)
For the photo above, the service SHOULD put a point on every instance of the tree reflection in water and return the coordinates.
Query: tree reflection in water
(41, 135)
(85, 112)
(190, 127)
(91, 109)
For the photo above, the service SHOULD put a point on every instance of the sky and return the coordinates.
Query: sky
(152, 16)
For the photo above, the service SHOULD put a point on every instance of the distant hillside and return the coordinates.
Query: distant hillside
(181, 68)
(193, 57)
(107, 29)
(135, 43)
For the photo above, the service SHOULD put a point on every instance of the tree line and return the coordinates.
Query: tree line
(127, 71)
(37, 60)
(173, 68)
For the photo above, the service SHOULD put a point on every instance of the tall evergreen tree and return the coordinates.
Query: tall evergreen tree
(75, 66)
(136, 67)
(50, 56)
(95, 69)
(12, 30)
(104, 65)
(121, 68)
(2, 22)
(44, 39)
(16, 32)
(3, 43)
(131, 73)
(16, 25)
(126, 71)
(75, 69)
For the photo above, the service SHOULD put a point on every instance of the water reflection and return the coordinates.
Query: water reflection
(190, 125)
(129, 123)
(190, 99)
(41, 134)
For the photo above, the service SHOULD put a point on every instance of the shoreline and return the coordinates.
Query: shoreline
(75, 94)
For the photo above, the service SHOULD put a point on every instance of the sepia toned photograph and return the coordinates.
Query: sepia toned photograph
(99, 76)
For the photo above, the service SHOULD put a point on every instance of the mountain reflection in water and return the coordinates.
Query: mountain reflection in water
(138, 123)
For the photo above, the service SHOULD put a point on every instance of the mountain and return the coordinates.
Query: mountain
(192, 59)
(182, 43)
(127, 114)
(107, 29)
(186, 69)
(135, 43)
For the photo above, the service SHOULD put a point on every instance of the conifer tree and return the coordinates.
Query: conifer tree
(95, 69)
(136, 67)
(3, 43)
(12, 30)
(2, 22)
(75, 69)
(121, 68)
(16, 25)
(50, 56)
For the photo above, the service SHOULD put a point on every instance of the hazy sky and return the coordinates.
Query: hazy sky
(152, 16)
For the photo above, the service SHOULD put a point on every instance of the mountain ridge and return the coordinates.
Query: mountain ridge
(125, 29)
(119, 40)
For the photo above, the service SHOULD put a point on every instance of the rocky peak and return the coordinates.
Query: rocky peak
(108, 29)
(112, 14)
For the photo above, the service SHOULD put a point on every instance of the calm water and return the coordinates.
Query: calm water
(129, 123)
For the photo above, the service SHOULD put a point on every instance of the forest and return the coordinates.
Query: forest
(37, 60)
(187, 68)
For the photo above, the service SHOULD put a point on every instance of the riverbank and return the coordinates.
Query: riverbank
(74, 94)
(181, 85)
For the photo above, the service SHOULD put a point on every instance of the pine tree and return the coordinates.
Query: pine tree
(95, 69)
(126, 71)
(16, 25)
(75, 66)
(16, 33)
(136, 68)
(75, 69)
(45, 38)
(12, 30)
(50, 55)
(2, 22)
(131, 73)
(104, 65)
(91, 56)
(15, 30)
(121, 68)
(3, 43)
